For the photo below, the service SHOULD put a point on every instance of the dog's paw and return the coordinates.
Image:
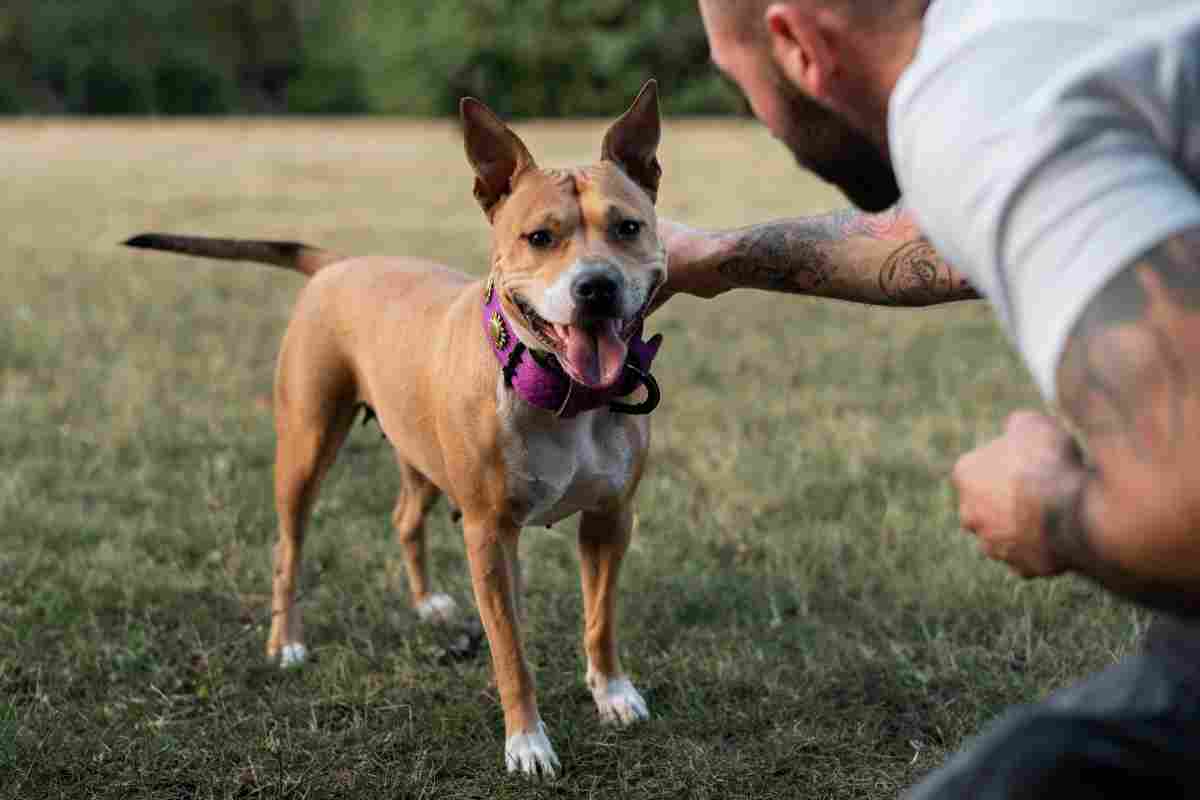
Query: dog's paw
(618, 701)
(532, 754)
(437, 608)
(292, 655)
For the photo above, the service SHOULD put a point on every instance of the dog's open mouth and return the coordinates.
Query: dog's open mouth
(592, 352)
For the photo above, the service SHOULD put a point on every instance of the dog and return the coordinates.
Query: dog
(504, 394)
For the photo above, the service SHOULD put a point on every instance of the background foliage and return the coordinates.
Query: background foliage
(524, 57)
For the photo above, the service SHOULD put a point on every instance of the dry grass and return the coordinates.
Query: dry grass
(799, 607)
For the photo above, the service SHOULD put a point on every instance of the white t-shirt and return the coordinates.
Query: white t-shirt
(1042, 145)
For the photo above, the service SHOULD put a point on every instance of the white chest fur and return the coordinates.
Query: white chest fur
(557, 467)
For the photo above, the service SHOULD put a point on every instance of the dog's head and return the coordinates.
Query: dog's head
(576, 258)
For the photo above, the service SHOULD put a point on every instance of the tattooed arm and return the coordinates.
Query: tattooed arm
(1128, 514)
(878, 259)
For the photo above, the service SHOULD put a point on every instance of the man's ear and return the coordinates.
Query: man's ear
(801, 47)
(632, 141)
(496, 153)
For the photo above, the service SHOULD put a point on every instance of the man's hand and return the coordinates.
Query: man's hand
(1007, 486)
(690, 266)
(684, 244)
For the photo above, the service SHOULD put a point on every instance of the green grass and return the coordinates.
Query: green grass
(799, 607)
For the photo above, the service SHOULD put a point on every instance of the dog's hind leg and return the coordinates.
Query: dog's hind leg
(416, 496)
(301, 461)
(314, 411)
(603, 540)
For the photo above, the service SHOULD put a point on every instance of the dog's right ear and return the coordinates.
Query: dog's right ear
(496, 153)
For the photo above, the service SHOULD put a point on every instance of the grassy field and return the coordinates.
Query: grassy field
(799, 607)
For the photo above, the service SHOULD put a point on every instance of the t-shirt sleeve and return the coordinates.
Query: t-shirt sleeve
(1043, 190)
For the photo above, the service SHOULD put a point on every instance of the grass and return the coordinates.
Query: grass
(799, 607)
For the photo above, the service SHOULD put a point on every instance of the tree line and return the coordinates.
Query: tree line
(525, 58)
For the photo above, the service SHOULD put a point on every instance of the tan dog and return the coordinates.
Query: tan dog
(575, 263)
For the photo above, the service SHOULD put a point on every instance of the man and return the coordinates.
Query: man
(1050, 151)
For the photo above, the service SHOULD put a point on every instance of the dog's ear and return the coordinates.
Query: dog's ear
(495, 152)
(632, 141)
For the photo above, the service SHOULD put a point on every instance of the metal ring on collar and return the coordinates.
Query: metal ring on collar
(653, 395)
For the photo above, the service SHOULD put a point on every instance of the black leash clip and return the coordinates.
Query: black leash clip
(653, 395)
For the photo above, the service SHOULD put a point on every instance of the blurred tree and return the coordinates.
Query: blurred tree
(330, 80)
(540, 57)
(524, 57)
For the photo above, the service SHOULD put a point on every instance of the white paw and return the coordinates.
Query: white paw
(292, 655)
(437, 608)
(618, 701)
(532, 754)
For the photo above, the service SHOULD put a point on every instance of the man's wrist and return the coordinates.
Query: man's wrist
(695, 263)
(1064, 520)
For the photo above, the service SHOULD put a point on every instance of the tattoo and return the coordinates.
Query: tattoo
(1128, 383)
(1063, 520)
(1124, 345)
(915, 275)
(839, 255)
(1069, 536)
(893, 224)
(780, 257)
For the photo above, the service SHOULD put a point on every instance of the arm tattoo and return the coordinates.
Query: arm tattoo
(1128, 383)
(1070, 539)
(915, 275)
(839, 255)
(1126, 342)
(779, 257)
(892, 224)
(1063, 517)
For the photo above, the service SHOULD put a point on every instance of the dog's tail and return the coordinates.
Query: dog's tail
(290, 255)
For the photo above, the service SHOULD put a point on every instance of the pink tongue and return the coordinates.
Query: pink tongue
(595, 356)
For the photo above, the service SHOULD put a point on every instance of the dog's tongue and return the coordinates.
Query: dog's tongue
(595, 356)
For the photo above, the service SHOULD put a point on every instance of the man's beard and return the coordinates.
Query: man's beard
(836, 151)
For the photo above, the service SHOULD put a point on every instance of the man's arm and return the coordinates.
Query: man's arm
(1126, 513)
(879, 259)
(1129, 381)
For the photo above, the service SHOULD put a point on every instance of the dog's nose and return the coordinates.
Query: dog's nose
(596, 294)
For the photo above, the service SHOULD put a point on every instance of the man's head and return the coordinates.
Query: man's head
(818, 73)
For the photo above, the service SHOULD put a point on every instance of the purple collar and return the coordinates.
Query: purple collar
(538, 379)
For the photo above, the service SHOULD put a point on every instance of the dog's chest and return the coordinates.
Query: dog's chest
(557, 467)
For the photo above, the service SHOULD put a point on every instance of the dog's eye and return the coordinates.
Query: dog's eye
(627, 229)
(540, 239)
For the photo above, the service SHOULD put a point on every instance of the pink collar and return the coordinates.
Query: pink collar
(538, 379)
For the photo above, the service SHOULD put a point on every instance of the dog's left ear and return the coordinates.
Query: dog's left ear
(632, 141)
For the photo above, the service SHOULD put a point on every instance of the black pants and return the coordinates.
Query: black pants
(1132, 731)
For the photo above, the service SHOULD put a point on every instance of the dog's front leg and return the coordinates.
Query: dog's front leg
(603, 540)
(491, 547)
